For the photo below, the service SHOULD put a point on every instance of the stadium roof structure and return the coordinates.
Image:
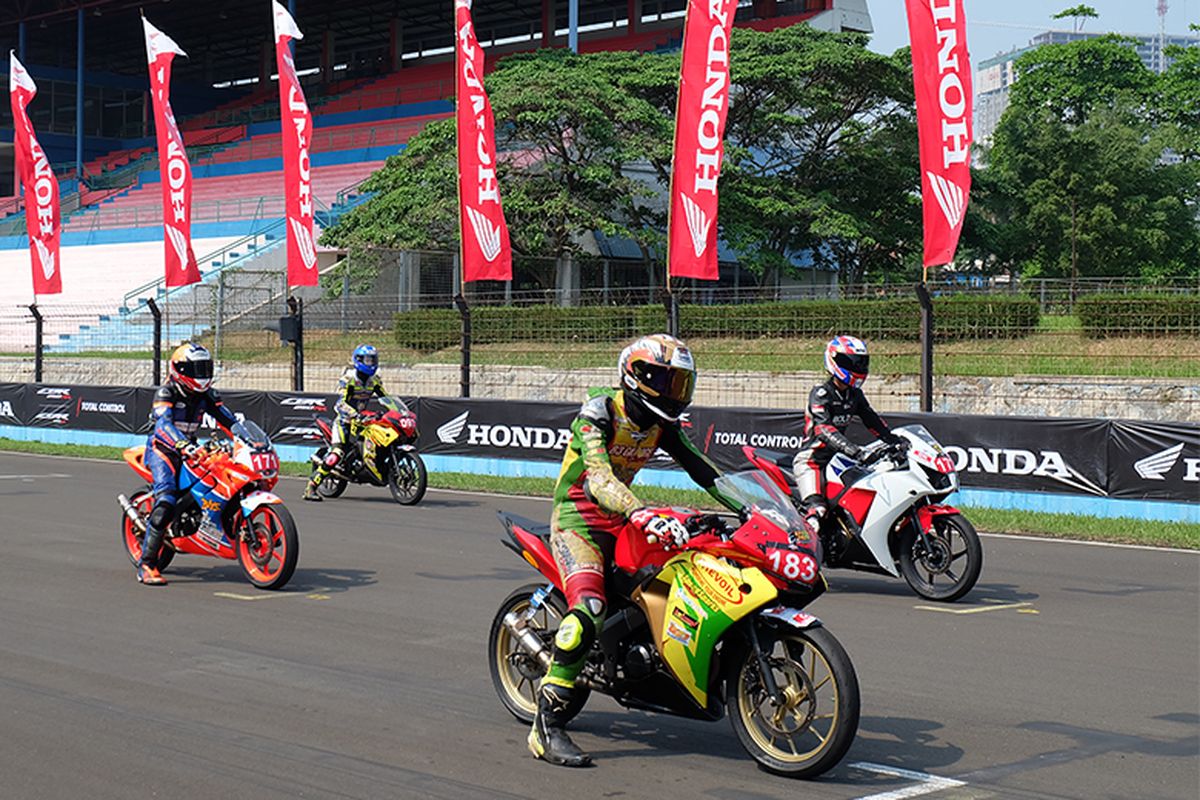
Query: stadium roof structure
(225, 38)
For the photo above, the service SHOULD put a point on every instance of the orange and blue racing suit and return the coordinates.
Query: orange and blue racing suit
(592, 503)
(177, 416)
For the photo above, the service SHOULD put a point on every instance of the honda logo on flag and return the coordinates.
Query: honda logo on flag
(43, 218)
(487, 254)
(703, 107)
(942, 82)
(175, 172)
(296, 130)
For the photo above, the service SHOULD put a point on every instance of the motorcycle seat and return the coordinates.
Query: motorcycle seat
(778, 459)
(538, 529)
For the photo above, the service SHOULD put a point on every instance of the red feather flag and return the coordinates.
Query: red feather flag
(42, 213)
(700, 114)
(942, 79)
(485, 248)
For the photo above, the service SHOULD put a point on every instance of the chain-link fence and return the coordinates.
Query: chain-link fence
(1038, 348)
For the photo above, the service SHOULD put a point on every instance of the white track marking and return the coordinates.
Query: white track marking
(928, 784)
(316, 594)
(974, 610)
(32, 477)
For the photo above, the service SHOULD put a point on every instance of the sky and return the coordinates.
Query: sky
(996, 26)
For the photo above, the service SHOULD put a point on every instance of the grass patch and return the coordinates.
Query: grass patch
(1057, 526)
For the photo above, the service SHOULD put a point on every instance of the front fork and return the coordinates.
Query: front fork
(764, 668)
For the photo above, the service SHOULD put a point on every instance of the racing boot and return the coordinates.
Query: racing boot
(147, 569)
(311, 493)
(150, 576)
(548, 738)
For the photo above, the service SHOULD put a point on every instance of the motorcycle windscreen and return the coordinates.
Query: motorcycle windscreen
(705, 598)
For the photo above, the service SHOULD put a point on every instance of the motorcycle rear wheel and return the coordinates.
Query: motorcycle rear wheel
(330, 487)
(143, 501)
(515, 674)
(269, 560)
(814, 728)
(407, 478)
(930, 570)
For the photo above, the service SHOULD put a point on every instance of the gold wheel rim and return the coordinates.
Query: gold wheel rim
(517, 687)
(808, 719)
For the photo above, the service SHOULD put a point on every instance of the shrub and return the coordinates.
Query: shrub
(1144, 314)
(956, 317)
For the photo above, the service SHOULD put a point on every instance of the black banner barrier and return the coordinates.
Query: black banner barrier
(1156, 460)
(1142, 460)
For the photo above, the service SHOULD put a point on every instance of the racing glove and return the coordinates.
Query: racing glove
(667, 531)
(187, 448)
(893, 439)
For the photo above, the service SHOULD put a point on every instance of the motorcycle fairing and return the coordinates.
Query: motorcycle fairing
(707, 595)
(255, 499)
(530, 546)
(925, 515)
(792, 616)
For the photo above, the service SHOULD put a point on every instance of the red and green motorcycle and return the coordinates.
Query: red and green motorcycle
(713, 627)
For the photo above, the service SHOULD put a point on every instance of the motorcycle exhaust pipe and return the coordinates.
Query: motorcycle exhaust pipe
(134, 515)
(527, 639)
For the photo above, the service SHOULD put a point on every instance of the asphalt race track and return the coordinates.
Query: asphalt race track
(1070, 672)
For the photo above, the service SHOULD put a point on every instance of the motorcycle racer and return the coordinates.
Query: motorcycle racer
(831, 406)
(356, 388)
(617, 431)
(177, 412)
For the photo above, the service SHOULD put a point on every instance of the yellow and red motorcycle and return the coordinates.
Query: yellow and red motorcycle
(716, 626)
(381, 452)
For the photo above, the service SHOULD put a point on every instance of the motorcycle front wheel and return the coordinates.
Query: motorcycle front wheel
(945, 564)
(811, 730)
(515, 673)
(407, 479)
(330, 487)
(131, 537)
(269, 558)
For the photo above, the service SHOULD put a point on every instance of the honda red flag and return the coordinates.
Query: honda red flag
(296, 129)
(175, 172)
(485, 249)
(41, 187)
(700, 114)
(942, 79)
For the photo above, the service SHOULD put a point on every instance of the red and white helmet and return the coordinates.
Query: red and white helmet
(191, 368)
(846, 359)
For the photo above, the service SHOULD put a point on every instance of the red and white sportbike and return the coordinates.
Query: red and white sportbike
(885, 514)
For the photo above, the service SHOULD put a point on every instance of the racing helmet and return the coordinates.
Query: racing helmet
(658, 372)
(191, 368)
(366, 359)
(846, 359)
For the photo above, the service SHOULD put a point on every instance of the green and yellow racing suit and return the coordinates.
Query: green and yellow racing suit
(592, 503)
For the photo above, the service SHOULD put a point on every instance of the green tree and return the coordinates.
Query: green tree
(1077, 183)
(821, 155)
(1080, 13)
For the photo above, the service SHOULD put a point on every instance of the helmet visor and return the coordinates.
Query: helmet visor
(671, 384)
(857, 363)
(196, 370)
(368, 359)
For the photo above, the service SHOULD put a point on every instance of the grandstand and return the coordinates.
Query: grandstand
(373, 81)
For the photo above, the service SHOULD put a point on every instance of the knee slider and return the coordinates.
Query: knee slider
(161, 515)
(575, 636)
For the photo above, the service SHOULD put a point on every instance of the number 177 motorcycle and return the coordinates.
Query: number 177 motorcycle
(715, 626)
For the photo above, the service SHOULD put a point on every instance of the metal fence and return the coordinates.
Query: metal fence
(558, 328)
